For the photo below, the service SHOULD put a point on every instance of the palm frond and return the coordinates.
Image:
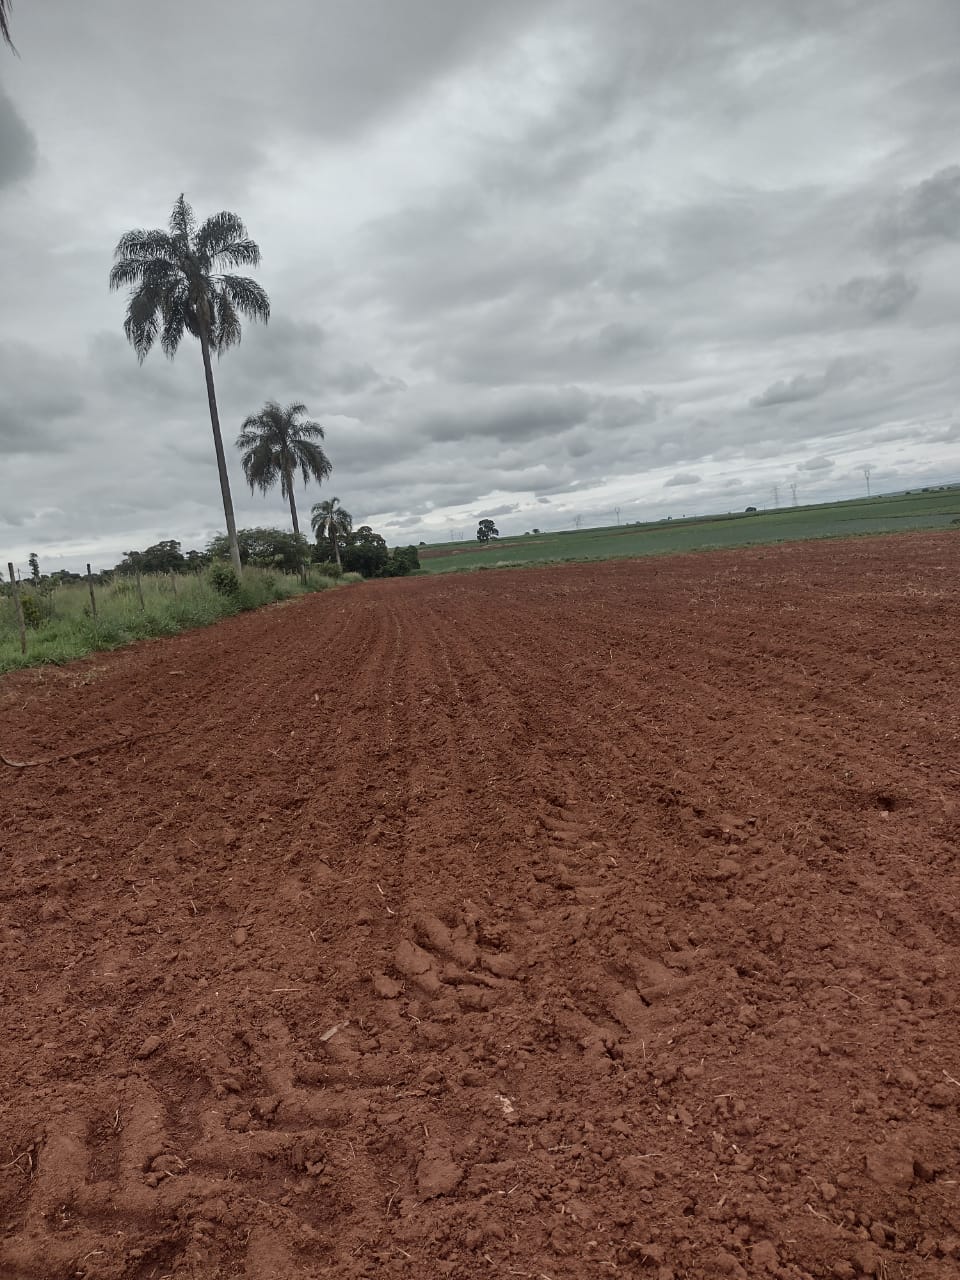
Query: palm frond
(260, 463)
(183, 222)
(155, 273)
(149, 303)
(248, 297)
(132, 269)
(5, 7)
(144, 245)
(238, 253)
(174, 312)
(311, 461)
(142, 323)
(310, 431)
(126, 272)
(225, 326)
(249, 436)
(294, 410)
(217, 233)
(271, 418)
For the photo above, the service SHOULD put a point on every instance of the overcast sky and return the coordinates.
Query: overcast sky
(533, 259)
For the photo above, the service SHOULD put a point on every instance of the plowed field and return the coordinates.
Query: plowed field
(587, 922)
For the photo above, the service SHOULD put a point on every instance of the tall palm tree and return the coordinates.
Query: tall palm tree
(5, 7)
(329, 520)
(178, 284)
(276, 444)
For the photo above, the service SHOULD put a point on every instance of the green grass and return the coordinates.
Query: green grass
(702, 533)
(69, 631)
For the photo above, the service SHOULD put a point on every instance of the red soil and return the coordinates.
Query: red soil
(586, 922)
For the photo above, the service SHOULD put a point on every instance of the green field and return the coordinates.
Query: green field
(935, 510)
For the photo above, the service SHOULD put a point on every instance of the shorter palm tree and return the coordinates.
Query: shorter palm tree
(329, 520)
(276, 444)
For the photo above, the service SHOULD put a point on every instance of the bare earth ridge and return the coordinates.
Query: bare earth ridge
(588, 922)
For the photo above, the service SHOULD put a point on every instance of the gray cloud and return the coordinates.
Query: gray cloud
(924, 213)
(878, 297)
(682, 478)
(37, 405)
(806, 386)
(816, 464)
(506, 509)
(18, 147)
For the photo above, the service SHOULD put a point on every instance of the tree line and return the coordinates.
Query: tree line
(360, 551)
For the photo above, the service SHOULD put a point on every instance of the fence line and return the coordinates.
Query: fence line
(93, 598)
(15, 590)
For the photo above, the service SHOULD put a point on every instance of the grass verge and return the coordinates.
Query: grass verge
(65, 629)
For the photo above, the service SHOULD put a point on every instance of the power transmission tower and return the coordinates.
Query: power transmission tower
(793, 491)
(617, 510)
(776, 496)
(578, 521)
(866, 476)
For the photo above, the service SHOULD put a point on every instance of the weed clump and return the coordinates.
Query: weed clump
(224, 580)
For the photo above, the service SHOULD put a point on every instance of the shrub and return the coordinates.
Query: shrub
(224, 580)
(271, 588)
(403, 560)
(32, 613)
(328, 569)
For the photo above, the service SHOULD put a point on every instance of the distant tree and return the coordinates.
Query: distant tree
(265, 548)
(486, 530)
(330, 521)
(750, 510)
(401, 561)
(536, 531)
(196, 560)
(162, 557)
(131, 563)
(365, 552)
(34, 564)
(276, 443)
(178, 284)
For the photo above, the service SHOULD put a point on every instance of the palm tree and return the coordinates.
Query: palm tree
(5, 7)
(276, 444)
(177, 283)
(329, 520)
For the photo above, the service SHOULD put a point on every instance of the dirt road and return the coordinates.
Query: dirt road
(588, 922)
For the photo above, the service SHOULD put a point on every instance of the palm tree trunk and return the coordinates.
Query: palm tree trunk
(293, 516)
(221, 457)
(336, 544)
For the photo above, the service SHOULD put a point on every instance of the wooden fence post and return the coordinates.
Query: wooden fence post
(93, 598)
(140, 591)
(19, 608)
